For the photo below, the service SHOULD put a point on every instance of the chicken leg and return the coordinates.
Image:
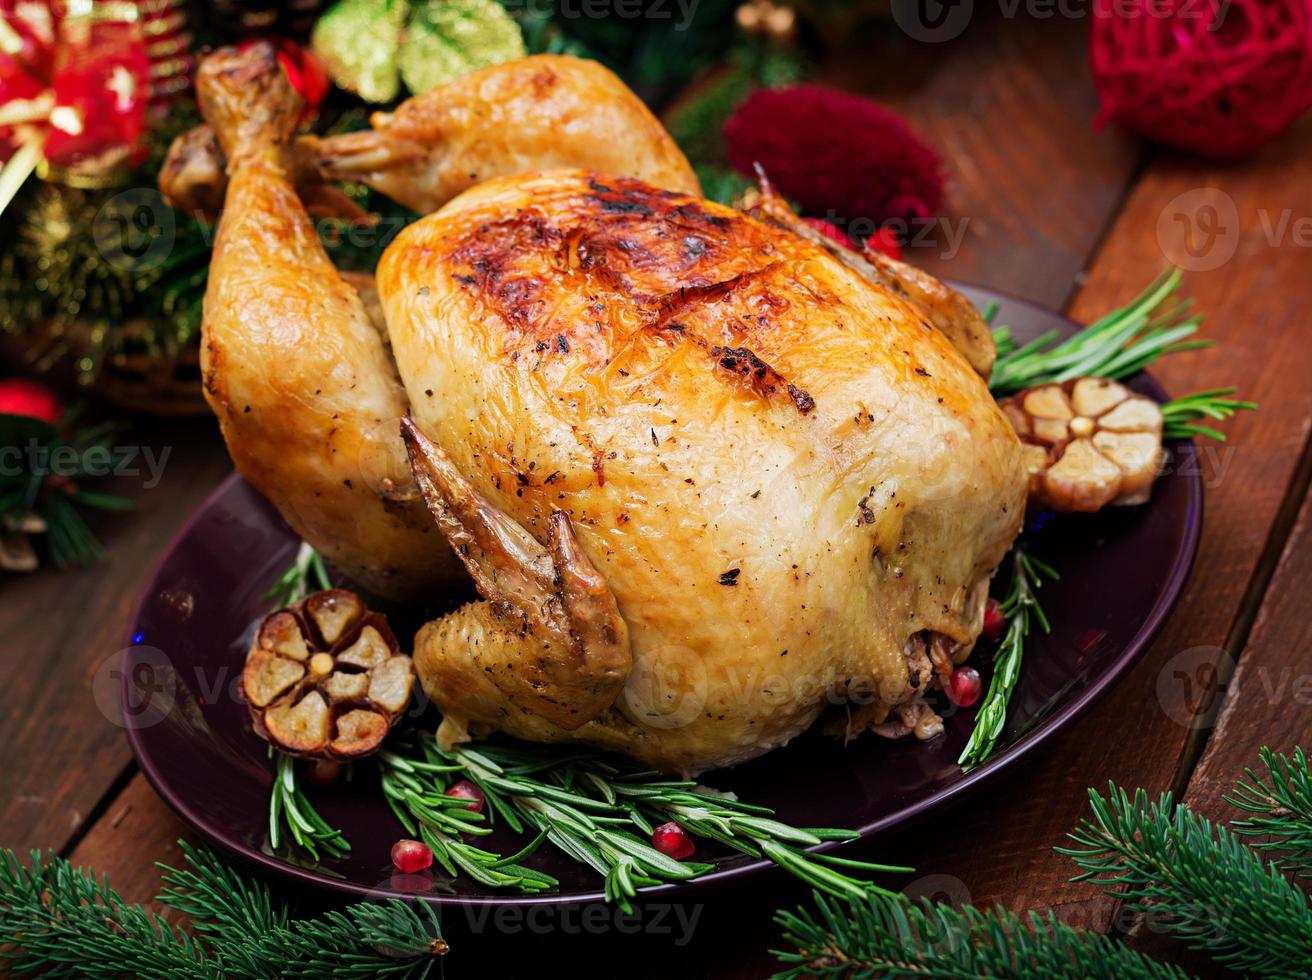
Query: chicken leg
(300, 378)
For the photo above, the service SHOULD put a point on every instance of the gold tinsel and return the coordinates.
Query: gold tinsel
(371, 46)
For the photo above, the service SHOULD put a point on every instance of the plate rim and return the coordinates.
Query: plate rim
(945, 798)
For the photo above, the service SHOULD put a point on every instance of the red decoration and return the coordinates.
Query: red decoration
(30, 400)
(836, 152)
(884, 240)
(77, 83)
(1218, 77)
(304, 70)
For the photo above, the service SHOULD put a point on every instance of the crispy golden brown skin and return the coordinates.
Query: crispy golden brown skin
(533, 114)
(299, 377)
(780, 470)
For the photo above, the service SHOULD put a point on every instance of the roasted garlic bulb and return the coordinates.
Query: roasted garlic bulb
(325, 678)
(1088, 443)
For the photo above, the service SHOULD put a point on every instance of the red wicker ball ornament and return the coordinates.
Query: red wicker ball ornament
(1218, 77)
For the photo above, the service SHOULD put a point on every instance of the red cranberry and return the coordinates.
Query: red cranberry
(411, 856)
(995, 624)
(673, 841)
(964, 686)
(885, 240)
(465, 790)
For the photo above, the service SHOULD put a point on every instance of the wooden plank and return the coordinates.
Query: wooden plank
(1265, 702)
(1256, 304)
(59, 751)
(1008, 105)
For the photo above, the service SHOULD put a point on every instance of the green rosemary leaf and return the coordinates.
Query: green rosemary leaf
(1181, 416)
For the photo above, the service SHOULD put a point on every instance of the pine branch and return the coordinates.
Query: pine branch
(1283, 797)
(223, 905)
(896, 936)
(1200, 882)
(60, 921)
(1020, 606)
(1118, 345)
(1182, 415)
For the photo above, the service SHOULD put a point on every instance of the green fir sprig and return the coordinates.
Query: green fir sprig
(60, 921)
(1281, 798)
(1197, 880)
(882, 935)
(1020, 608)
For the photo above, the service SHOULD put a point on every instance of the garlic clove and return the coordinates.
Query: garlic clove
(1094, 396)
(1133, 415)
(1138, 454)
(359, 732)
(267, 676)
(281, 634)
(390, 684)
(346, 687)
(1048, 402)
(1082, 480)
(301, 728)
(369, 650)
(334, 611)
(1050, 430)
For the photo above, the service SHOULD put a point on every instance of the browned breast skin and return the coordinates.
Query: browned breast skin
(300, 379)
(532, 114)
(780, 470)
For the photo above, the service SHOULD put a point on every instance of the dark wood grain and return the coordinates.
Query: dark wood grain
(60, 752)
(1009, 107)
(1256, 306)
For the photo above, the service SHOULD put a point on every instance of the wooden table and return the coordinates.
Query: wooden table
(1053, 212)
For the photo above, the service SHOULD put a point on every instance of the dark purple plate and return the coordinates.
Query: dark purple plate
(1120, 573)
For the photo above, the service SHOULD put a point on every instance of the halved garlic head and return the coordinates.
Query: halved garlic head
(325, 678)
(1087, 443)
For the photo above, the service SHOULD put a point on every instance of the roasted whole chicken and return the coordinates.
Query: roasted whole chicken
(710, 478)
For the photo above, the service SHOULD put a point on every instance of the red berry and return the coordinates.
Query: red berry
(27, 398)
(994, 622)
(411, 856)
(673, 841)
(964, 687)
(465, 790)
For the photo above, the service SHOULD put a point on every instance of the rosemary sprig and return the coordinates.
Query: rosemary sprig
(306, 574)
(896, 936)
(1020, 606)
(1119, 344)
(1205, 885)
(291, 809)
(598, 811)
(1283, 799)
(1181, 415)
